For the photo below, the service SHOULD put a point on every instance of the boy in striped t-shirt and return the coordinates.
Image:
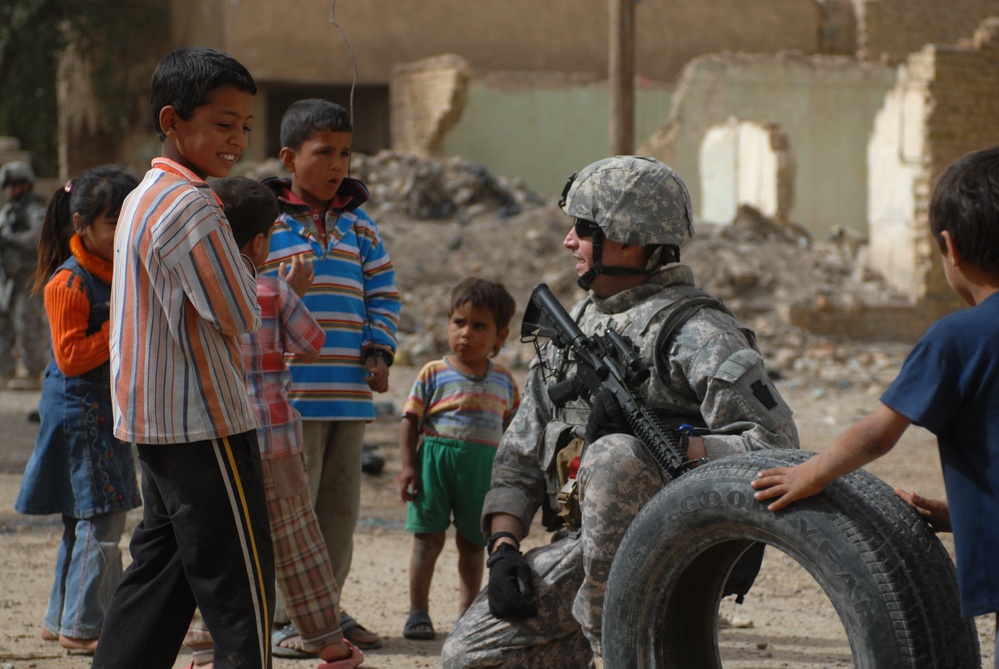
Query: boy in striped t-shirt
(460, 406)
(181, 297)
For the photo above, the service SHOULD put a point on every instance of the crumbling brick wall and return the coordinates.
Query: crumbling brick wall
(942, 107)
(425, 100)
(892, 29)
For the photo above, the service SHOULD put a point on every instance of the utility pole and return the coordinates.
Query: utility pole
(621, 76)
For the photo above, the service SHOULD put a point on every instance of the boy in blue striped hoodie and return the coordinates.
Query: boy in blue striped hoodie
(354, 298)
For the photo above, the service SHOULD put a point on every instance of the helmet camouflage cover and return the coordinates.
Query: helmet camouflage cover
(634, 199)
(14, 172)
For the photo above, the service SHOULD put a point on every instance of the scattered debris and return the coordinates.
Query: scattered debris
(372, 461)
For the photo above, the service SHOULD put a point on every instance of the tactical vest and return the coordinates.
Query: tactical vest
(651, 326)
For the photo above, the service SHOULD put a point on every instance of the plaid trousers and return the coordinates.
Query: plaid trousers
(301, 563)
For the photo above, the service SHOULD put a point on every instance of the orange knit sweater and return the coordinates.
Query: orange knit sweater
(68, 309)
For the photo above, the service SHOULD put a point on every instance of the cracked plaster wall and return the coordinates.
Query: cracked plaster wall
(941, 107)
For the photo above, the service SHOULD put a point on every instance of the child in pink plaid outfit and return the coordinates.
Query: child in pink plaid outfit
(301, 562)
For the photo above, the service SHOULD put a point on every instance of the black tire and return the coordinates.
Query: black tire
(887, 575)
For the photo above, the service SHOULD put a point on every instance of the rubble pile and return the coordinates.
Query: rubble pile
(759, 268)
(427, 188)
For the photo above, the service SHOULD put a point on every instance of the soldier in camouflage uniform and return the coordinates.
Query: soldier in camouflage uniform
(24, 331)
(543, 609)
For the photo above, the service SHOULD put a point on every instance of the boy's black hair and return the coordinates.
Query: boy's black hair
(483, 294)
(99, 190)
(965, 203)
(307, 117)
(250, 207)
(186, 77)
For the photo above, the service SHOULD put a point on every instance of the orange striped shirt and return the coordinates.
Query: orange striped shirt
(180, 299)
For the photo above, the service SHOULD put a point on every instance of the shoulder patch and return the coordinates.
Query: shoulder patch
(762, 392)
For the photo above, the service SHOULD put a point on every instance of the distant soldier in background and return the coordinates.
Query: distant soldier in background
(24, 334)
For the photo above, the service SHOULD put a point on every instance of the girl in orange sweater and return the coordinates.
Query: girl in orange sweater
(78, 468)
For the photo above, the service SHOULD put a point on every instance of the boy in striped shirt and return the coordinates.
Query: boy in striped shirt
(354, 298)
(459, 406)
(181, 298)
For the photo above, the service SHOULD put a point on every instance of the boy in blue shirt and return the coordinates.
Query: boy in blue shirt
(949, 384)
(353, 296)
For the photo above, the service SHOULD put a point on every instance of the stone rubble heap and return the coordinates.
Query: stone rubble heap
(429, 189)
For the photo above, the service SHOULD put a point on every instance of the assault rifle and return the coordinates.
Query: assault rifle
(603, 361)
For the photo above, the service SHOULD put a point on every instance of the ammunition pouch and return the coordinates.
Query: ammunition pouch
(566, 464)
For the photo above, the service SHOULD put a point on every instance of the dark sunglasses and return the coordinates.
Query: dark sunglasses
(585, 229)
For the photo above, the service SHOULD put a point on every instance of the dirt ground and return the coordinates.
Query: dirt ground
(786, 621)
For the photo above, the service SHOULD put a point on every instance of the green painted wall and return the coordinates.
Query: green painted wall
(543, 133)
(826, 106)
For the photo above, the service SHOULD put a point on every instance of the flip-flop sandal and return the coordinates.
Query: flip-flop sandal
(353, 629)
(281, 634)
(419, 627)
(355, 659)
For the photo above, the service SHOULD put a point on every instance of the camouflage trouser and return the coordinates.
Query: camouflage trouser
(616, 478)
(24, 334)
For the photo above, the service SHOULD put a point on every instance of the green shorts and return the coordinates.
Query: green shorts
(453, 477)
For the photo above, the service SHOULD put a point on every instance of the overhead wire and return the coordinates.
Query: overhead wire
(350, 52)
(353, 62)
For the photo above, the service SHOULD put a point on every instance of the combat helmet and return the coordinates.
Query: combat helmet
(16, 171)
(632, 200)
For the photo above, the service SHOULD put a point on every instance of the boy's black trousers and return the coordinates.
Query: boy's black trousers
(204, 541)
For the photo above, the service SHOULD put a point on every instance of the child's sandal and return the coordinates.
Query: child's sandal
(355, 658)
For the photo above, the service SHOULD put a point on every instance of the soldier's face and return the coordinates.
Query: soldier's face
(613, 254)
(15, 191)
(581, 249)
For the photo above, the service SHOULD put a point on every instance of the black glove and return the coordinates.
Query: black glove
(606, 417)
(511, 585)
